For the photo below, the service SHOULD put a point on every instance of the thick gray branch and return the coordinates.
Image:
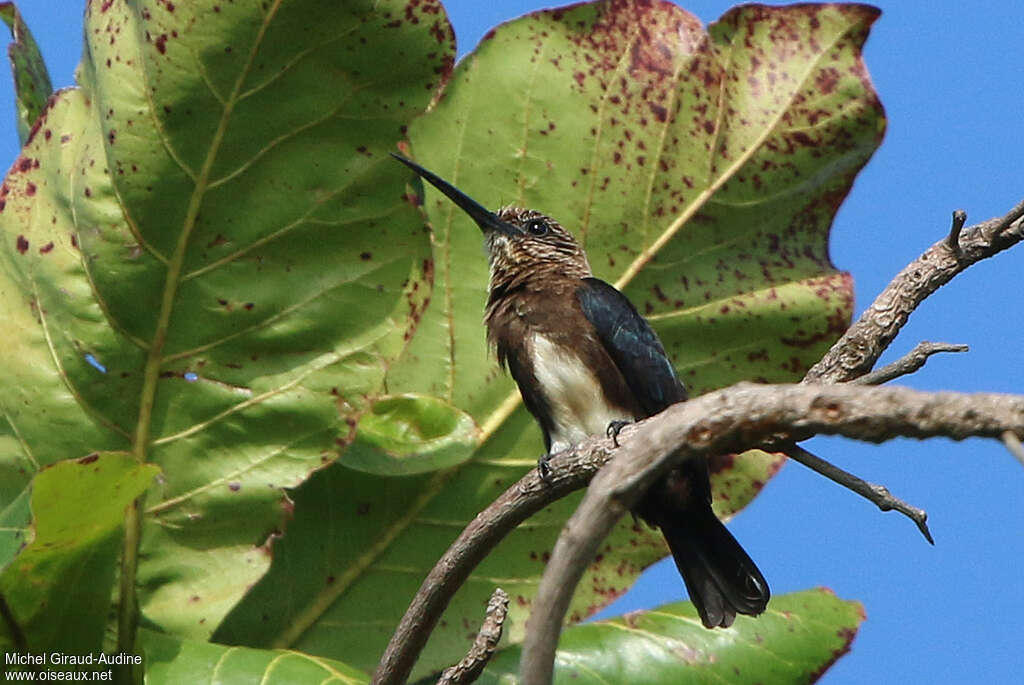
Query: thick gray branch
(726, 421)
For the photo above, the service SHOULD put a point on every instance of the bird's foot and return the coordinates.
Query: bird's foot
(613, 430)
(544, 468)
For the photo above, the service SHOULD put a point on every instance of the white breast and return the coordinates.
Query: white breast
(573, 394)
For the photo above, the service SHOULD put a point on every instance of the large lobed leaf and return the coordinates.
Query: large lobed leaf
(701, 169)
(794, 642)
(208, 261)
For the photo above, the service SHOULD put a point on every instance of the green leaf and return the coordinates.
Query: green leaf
(32, 85)
(795, 641)
(58, 588)
(208, 260)
(701, 170)
(172, 661)
(411, 434)
(15, 514)
(356, 517)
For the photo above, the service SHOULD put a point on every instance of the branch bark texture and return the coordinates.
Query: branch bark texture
(470, 668)
(571, 471)
(856, 352)
(850, 358)
(727, 421)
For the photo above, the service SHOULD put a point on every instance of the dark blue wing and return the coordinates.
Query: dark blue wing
(632, 345)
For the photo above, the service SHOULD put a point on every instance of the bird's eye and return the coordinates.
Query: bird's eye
(536, 227)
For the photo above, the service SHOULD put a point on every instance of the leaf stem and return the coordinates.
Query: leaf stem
(128, 606)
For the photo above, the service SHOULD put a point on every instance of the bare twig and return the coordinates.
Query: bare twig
(995, 227)
(472, 665)
(860, 347)
(878, 494)
(726, 421)
(1013, 444)
(953, 241)
(907, 364)
(852, 356)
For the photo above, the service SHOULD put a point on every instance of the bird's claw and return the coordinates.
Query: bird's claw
(544, 468)
(613, 430)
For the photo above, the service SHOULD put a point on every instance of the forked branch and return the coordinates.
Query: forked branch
(849, 360)
(857, 351)
(726, 421)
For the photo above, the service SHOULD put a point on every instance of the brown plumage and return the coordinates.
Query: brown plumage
(583, 359)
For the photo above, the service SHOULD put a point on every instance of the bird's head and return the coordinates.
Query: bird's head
(521, 243)
(537, 242)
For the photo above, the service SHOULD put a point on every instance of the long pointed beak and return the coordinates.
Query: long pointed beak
(485, 219)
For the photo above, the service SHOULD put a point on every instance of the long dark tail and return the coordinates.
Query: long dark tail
(721, 578)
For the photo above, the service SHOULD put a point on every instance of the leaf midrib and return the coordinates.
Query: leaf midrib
(511, 402)
(305, 619)
(128, 607)
(175, 265)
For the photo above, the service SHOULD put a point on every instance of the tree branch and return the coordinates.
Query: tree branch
(726, 421)
(959, 219)
(570, 470)
(877, 494)
(472, 665)
(856, 352)
(851, 357)
(907, 364)
(848, 359)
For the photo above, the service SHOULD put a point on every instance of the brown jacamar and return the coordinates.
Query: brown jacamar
(586, 362)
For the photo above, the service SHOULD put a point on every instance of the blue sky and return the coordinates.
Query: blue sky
(950, 77)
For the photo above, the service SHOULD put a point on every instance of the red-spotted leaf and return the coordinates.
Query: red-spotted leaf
(207, 261)
(701, 169)
(795, 641)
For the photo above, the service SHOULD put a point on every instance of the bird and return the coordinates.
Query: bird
(586, 362)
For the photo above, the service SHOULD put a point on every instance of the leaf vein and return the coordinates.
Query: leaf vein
(647, 254)
(288, 228)
(65, 378)
(21, 441)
